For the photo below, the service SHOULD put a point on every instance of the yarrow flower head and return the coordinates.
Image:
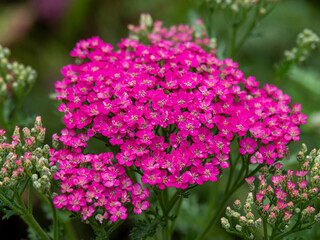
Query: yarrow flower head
(171, 107)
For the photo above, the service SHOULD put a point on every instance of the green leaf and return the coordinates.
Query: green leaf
(8, 213)
(144, 229)
(282, 69)
(32, 235)
(307, 78)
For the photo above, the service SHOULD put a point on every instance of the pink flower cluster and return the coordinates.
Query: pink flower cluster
(177, 34)
(93, 183)
(172, 108)
(286, 192)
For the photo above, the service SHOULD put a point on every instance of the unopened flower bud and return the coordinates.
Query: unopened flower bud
(263, 11)
(46, 149)
(300, 157)
(38, 122)
(265, 171)
(308, 212)
(36, 184)
(228, 211)
(224, 222)
(258, 223)
(250, 198)
(317, 217)
(26, 132)
(235, 214)
(237, 204)
(242, 220)
(238, 228)
(34, 177)
(304, 148)
(250, 215)
(272, 218)
(250, 181)
(313, 153)
(247, 207)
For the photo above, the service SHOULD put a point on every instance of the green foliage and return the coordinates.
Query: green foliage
(306, 78)
(307, 41)
(8, 213)
(144, 229)
(32, 235)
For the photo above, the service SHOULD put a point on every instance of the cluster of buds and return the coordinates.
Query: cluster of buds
(234, 5)
(15, 79)
(282, 194)
(149, 32)
(307, 41)
(25, 159)
(242, 5)
(245, 225)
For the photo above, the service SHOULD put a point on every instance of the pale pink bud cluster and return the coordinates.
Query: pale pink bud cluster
(244, 225)
(282, 195)
(25, 158)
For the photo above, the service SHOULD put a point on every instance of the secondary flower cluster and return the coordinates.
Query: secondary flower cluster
(237, 6)
(149, 32)
(172, 108)
(283, 194)
(307, 41)
(15, 77)
(244, 225)
(21, 160)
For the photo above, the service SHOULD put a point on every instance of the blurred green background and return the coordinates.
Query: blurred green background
(41, 33)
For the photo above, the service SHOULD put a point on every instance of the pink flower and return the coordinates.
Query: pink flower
(139, 206)
(118, 213)
(268, 153)
(76, 200)
(138, 191)
(60, 201)
(250, 180)
(87, 212)
(221, 159)
(280, 194)
(248, 145)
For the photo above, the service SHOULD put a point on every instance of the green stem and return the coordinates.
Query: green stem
(176, 216)
(30, 220)
(212, 200)
(215, 217)
(55, 222)
(265, 230)
(233, 40)
(232, 168)
(165, 210)
(2, 122)
(71, 235)
(283, 235)
(30, 197)
(13, 116)
(114, 226)
(249, 30)
(11, 204)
